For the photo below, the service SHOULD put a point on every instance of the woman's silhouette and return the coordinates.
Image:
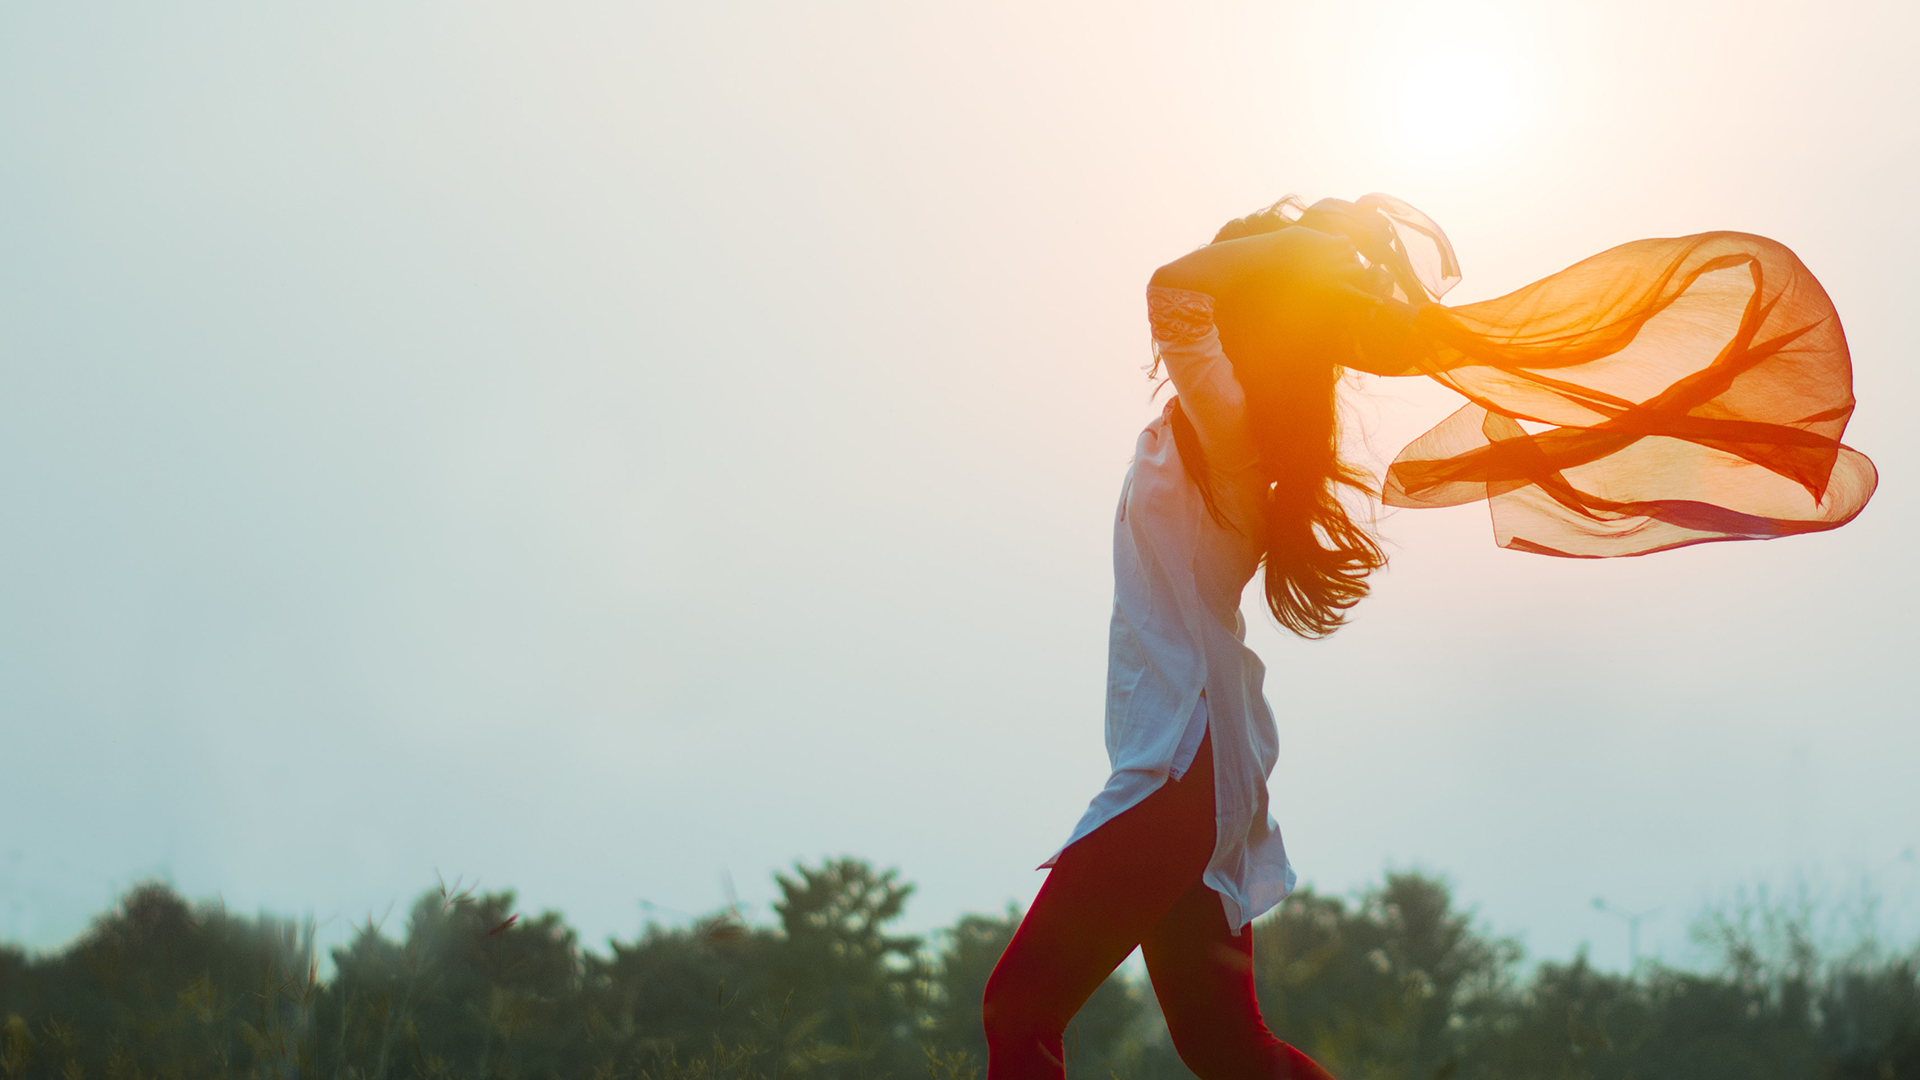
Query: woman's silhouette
(1686, 390)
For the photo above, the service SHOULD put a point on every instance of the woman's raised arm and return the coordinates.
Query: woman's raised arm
(1274, 263)
(1279, 290)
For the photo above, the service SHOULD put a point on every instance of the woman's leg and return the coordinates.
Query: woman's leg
(1203, 976)
(1106, 892)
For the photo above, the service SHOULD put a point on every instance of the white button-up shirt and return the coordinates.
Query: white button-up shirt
(1177, 662)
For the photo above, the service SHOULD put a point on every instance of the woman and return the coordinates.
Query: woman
(1686, 390)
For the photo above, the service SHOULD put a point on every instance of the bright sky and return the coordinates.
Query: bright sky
(593, 448)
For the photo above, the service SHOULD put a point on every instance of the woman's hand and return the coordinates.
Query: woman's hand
(1384, 339)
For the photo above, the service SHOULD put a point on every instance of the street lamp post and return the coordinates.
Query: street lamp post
(1632, 919)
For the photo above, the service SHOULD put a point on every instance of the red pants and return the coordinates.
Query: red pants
(1135, 881)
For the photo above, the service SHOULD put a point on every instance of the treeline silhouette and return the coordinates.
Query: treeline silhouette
(1396, 984)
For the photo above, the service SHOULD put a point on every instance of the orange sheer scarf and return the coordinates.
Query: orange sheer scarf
(1675, 391)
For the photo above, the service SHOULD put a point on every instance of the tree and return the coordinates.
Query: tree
(1385, 989)
(969, 951)
(1397, 984)
(474, 988)
(160, 984)
(859, 990)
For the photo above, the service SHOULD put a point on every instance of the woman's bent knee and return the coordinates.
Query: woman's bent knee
(1022, 1042)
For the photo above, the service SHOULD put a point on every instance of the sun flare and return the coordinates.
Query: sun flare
(1460, 87)
(1457, 104)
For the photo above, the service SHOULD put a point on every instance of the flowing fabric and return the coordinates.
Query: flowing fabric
(1679, 391)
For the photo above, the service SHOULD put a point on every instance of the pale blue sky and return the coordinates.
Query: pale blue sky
(589, 447)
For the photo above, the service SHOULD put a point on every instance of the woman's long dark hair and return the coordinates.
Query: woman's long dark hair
(1316, 557)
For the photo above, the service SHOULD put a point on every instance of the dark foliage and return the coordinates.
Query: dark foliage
(1397, 984)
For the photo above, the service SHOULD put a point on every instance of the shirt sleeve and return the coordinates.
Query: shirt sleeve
(1186, 341)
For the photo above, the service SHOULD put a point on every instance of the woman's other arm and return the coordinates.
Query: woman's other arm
(1186, 340)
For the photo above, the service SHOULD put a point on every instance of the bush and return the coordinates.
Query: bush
(1396, 983)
